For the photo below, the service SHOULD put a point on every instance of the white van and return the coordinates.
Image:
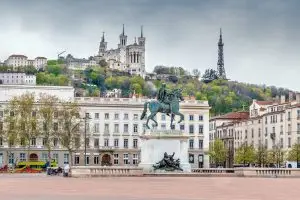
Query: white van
(291, 164)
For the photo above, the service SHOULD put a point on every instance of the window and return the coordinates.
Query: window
(200, 117)
(96, 115)
(135, 143)
(77, 141)
(106, 116)
(55, 115)
(55, 126)
(106, 142)
(201, 129)
(281, 142)
(106, 128)
(55, 142)
(96, 142)
(96, 159)
(125, 116)
(66, 158)
(116, 159)
(125, 128)
(116, 116)
(96, 128)
(182, 127)
(116, 142)
(76, 160)
(191, 129)
(135, 159)
(44, 157)
(1, 141)
(289, 116)
(298, 114)
(191, 117)
(87, 142)
(266, 120)
(289, 129)
(200, 144)
(22, 157)
(125, 159)
(281, 130)
(55, 157)
(273, 128)
(298, 128)
(266, 131)
(163, 126)
(135, 128)
(266, 143)
(11, 158)
(125, 143)
(87, 115)
(281, 117)
(116, 130)
(259, 132)
(163, 117)
(191, 143)
(135, 116)
(33, 141)
(289, 142)
(87, 159)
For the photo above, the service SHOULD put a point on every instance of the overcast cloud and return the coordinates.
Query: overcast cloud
(262, 38)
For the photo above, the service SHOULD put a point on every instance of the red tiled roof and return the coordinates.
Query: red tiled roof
(264, 102)
(234, 115)
(15, 55)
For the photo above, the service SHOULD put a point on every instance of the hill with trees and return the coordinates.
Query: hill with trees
(223, 95)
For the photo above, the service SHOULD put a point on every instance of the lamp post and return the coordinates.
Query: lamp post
(85, 121)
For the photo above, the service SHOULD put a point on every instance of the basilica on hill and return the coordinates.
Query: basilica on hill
(127, 57)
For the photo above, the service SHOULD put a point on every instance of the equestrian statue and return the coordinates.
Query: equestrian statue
(167, 102)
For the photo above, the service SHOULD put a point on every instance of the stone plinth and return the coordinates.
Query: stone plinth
(155, 143)
(96, 171)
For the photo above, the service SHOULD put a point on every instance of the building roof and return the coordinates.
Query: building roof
(234, 115)
(16, 55)
(40, 58)
(262, 103)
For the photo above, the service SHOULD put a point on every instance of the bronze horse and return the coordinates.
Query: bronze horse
(172, 107)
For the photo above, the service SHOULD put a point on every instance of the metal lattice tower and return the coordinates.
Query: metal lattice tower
(221, 68)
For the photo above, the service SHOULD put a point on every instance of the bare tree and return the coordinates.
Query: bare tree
(22, 122)
(48, 114)
(69, 133)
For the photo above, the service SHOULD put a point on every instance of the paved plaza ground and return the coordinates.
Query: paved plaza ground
(41, 187)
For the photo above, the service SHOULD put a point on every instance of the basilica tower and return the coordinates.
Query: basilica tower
(103, 46)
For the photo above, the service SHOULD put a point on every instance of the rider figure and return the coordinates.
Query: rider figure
(162, 96)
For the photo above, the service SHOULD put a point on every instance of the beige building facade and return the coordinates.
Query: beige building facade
(113, 130)
(268, 123)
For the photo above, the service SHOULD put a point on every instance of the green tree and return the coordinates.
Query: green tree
(54, 69)
(245, 154)
(218, 152)
(276, 155)
(69, 133)
(22, 120)
(261, 155)
(48, 113)
(294, 153)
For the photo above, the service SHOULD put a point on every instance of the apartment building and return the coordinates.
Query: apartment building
(268, 123)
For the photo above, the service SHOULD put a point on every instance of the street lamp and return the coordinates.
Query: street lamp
(85, 120)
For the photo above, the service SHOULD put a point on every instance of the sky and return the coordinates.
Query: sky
(261, 38)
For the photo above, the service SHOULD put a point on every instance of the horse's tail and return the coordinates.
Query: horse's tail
(145, 110)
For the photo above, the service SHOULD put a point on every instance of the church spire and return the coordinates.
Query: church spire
(123, 33)
(142, 31)
(102, 39)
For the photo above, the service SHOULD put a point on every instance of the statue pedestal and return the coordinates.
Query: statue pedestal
(154, 143)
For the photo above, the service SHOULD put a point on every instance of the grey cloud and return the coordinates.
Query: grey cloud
(261, 37)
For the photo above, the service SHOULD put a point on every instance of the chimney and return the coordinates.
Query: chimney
(282, 99)
(291, 95)
(298, 97)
